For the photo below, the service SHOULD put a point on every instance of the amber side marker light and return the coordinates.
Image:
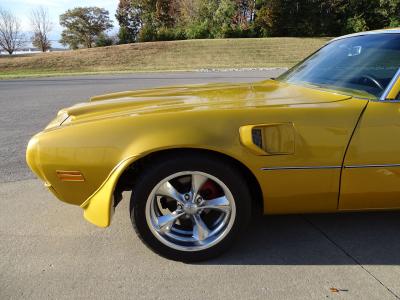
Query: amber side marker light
(70, 176)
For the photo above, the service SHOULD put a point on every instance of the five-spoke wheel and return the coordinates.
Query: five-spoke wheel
(190, 208)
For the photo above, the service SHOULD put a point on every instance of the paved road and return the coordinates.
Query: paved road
(47, 250)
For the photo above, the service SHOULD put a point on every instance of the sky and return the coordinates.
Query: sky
(22, 8)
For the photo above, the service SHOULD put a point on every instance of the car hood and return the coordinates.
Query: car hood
(201, 97)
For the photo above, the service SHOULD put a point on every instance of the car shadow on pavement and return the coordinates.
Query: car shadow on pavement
(328, 239)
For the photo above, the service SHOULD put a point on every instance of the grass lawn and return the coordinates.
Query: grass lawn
(165, 56)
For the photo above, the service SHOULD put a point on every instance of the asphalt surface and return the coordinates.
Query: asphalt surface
(48, 250)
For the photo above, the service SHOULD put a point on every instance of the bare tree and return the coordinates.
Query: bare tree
(11, 36)
(41, 27)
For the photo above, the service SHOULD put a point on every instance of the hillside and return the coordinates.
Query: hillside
(165, 56)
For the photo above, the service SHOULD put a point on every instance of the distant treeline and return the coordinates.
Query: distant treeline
(162, 20)
(151, 20)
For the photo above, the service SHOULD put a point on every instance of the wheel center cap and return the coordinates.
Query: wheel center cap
(190, 208)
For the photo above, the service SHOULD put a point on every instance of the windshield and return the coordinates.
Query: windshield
(359, 66)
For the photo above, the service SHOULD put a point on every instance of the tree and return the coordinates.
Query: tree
(390, 10)
(41, 27)
(245, 10)
(152, 20)
(11, 37)
(223, 25)
(163, 13)
(361, 15)
(104, 40)
(83, 25)
(188, 11)
(129, 19)
(202, 25)
(267, 17)
(148, 31)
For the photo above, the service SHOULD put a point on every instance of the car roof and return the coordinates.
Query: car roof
(381, 31)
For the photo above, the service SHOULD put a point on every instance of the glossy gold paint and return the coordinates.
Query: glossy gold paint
(70, 175)
(371, 179)
(309, 134)
(98, 208)
(277, 139)
(394, 93)
(108, 134)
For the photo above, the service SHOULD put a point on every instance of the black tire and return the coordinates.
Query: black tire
(164, 166)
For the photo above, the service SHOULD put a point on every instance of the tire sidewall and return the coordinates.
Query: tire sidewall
(169, 166)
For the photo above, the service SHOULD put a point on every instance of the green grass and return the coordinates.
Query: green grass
(164, 56)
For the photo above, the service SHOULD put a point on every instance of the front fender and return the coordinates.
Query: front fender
(98, 208)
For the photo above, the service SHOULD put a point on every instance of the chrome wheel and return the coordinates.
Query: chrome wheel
(190, 211)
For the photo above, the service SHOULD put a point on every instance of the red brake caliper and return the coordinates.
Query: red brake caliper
(209, 190)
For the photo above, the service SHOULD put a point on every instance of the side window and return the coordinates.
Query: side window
(398, 97)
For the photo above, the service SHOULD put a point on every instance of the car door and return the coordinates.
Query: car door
(371, 170)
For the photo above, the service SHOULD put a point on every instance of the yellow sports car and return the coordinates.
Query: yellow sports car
(202, 159)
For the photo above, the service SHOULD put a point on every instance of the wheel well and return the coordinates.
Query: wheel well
(127, 179)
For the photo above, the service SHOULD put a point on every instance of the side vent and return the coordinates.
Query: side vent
(269, 139)
(257, 137)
